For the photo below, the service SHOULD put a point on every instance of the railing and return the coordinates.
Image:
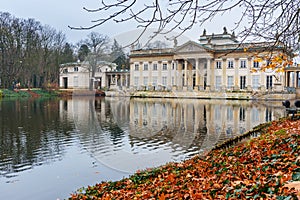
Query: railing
(290, 89)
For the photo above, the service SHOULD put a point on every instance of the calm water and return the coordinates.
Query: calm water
(50, 148)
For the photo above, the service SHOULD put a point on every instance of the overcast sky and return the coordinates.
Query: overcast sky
(61, 13)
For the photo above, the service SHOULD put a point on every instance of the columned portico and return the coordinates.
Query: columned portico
(119, 78)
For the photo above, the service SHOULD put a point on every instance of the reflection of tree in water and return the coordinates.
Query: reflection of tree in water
(108, 122)
(108, 125)
(31, 134)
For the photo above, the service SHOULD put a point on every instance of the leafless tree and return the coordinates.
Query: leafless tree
(99, 51)
(30, 53)
(275, 21)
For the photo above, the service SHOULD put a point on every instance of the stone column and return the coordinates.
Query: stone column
(176, 73)
(150, 68)
(248, 78)
(224, 77)
(141, 81)
(180, 77)
(286, 79)
(210, 74)
(121, 80)
(169, 76)
(197, 72)
(190, 74)
(127, 80)
(131, 82)
(159, 78)
(185, 73)
(262, 81)
(236, 74)
(201, 75)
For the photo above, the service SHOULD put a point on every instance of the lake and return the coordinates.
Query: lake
(49, 148)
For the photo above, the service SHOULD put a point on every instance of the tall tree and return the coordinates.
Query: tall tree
(99, 51)
(83, 51)
(67, 53)
(30, 53)
(118, 56)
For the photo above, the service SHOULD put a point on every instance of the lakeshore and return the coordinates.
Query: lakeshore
(265, 167)
(230, 95)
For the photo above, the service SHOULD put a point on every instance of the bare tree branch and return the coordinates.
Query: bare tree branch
(275, 20)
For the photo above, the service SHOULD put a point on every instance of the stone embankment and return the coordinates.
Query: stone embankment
(204, 95)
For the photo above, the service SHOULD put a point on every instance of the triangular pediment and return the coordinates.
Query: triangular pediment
(189, 47)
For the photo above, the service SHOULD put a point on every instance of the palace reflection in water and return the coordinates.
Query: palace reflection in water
(132, 134)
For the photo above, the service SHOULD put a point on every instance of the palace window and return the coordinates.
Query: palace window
(218, 82)
(154, 81)
(75, 69)
(155, 67)
(165, 66)
(164, 80)
(269, 82)
(229, 82)
(145, 67)
(255, 82)
(243, 64)
(136, 80)
(65, 70)
(219, 64)
(230, 64)
(145, 80)
(136, 67)
(255, 64)
(242, 82)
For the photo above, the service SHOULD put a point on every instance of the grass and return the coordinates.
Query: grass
(6, 93)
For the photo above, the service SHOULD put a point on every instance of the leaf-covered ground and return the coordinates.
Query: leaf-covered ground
(267, 167)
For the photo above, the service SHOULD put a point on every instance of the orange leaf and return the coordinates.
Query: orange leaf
(162, 197)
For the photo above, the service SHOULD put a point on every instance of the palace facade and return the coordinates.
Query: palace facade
(217, 62)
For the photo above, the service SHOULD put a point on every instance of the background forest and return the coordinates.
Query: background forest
(31, 53)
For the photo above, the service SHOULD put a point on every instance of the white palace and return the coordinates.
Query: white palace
(216, 63)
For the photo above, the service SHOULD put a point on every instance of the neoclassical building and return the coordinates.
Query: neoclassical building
(216, 62)
(78, 75)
